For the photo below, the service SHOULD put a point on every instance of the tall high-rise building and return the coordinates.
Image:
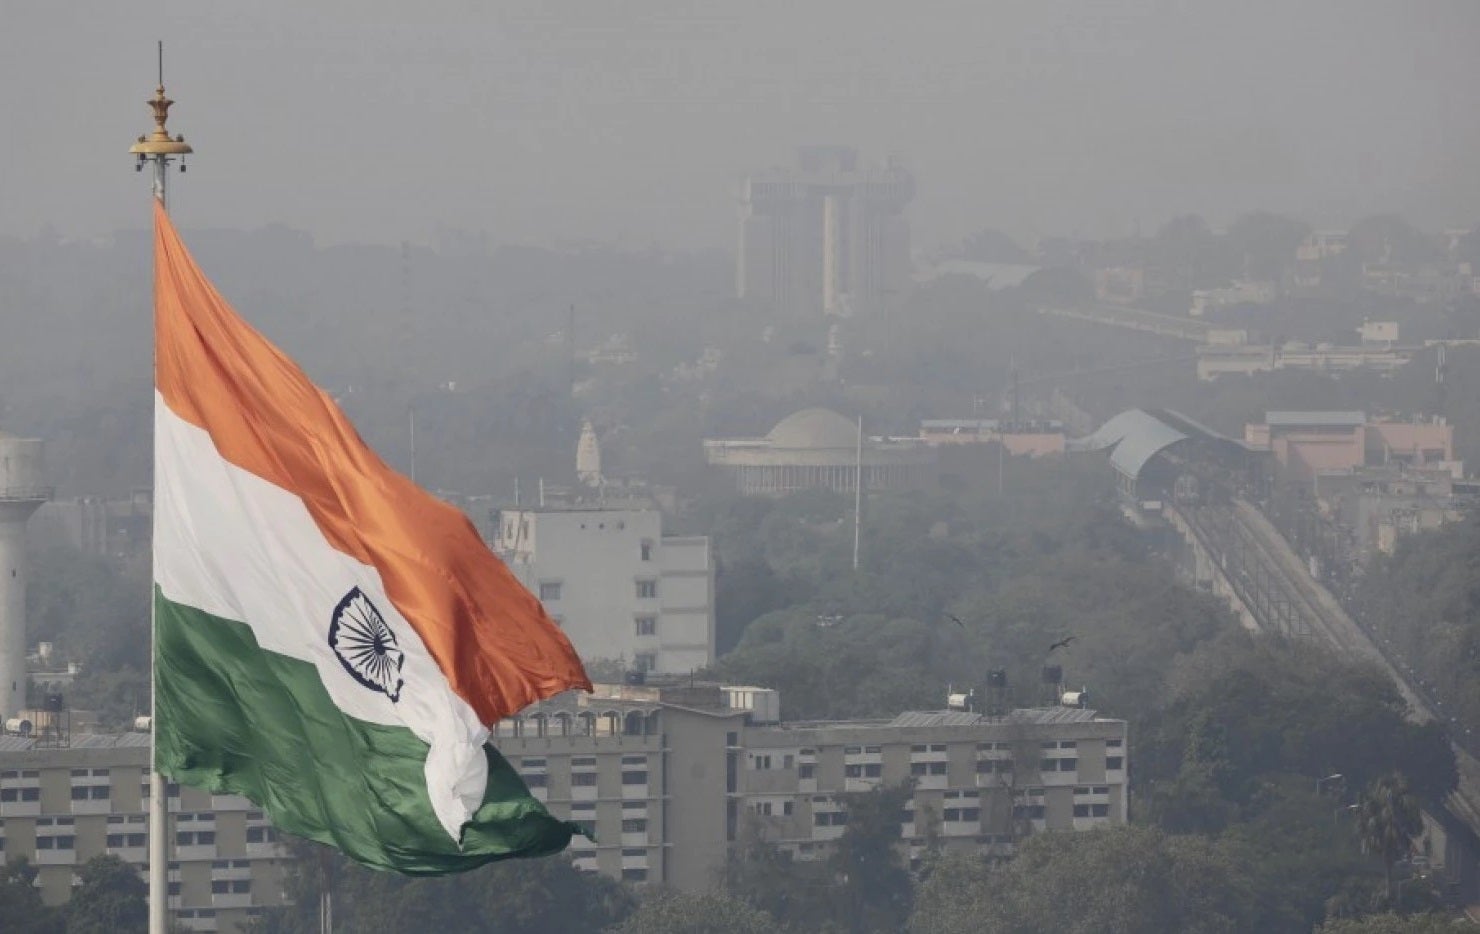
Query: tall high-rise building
(825, 235)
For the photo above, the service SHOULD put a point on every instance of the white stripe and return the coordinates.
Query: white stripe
(236, 546)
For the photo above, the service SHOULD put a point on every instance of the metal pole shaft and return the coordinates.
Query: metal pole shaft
(159, 887)
(857, 492)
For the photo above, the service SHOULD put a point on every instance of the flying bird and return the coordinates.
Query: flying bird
(956, 620)
(1062, 643)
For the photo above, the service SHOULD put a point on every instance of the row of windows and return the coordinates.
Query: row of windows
(830, 819)
(587, 779)
(1091, 810)
(231, 886)
(195, 838)
(90, 793)
(646, 590)
(11, 795)
(768, 808)
(20, 773)
(59, 842)
(961, 814)
(806, 770)
(119, 840)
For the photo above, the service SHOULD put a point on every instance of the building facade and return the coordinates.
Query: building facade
(60, 807)
(668, 777)
(825, 236)
(817, 448)
(1031, 438)
(617, 586)
(1306, 444)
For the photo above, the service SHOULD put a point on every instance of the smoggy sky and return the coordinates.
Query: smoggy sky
(634, 120)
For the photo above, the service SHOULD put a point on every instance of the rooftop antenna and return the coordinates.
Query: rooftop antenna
(159, 150)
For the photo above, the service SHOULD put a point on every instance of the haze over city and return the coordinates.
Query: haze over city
(634, 122)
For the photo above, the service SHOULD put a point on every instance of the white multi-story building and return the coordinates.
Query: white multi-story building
(615, 583)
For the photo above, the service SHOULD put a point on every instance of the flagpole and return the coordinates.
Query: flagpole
(158, 150)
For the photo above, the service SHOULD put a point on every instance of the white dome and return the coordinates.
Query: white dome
(812, 429)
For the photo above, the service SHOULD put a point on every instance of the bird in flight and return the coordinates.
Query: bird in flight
(956, 620)
(1062, 643)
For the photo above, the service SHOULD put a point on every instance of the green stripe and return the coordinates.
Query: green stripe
(235, 719)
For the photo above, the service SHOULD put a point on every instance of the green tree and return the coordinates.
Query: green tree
(1390, 924)
(1264, 243)
(510, 897)
(110, 899)
(797, 894)
(21, 905)
(875, 892)
(711, 913)
(1388, 821)
(993, 246)
(1127, 879)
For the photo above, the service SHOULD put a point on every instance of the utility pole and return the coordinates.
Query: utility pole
(158, 150)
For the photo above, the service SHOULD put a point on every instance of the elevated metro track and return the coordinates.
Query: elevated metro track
(1276, 590)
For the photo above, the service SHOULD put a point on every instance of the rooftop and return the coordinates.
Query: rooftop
(814, 428)
(79, 741)
(1348, 419)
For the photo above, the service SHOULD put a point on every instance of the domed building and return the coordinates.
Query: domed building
(817, 448)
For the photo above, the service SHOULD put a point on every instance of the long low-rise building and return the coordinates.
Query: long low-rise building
(667, 776)
(60, 806)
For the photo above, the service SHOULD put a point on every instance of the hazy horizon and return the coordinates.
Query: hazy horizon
(381, 122)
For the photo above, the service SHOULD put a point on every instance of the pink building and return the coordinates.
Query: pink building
(1305, 444)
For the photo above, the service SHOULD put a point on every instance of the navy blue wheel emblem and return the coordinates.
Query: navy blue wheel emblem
(365, 645)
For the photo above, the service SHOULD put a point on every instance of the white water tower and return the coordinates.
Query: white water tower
(21, 492)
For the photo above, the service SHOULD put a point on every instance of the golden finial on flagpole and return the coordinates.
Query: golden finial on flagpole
(159, 147)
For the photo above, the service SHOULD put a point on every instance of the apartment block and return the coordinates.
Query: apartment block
(979, 782)
(60, 807)
(669, 775)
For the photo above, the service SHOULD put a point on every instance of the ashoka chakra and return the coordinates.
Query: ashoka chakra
(365, 645)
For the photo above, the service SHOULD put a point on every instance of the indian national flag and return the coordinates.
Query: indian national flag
(331, 641)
